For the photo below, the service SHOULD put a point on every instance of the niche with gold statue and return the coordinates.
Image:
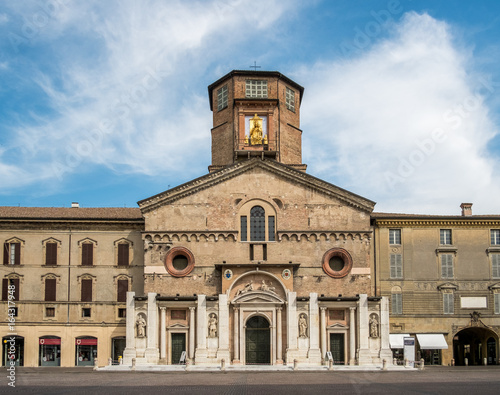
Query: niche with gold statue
(256, 130)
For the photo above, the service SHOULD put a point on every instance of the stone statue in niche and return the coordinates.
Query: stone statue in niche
(302, 325)
(265, 287)
(374, 332)
(141, 326)
(212, 325)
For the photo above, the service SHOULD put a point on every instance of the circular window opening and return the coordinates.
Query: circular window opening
(180, 262)
(336, 263)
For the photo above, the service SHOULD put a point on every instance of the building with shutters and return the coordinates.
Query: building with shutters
(442, 276)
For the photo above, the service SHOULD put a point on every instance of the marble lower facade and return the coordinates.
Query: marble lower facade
(256, 326)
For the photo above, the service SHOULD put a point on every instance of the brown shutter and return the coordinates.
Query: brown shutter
(86, 290)
(15, 283)
(123, 257)
(17, 257)
(6, 251)
(87, 254)
(5, 290)
(50, 289)
(51, 254)
(122, 290)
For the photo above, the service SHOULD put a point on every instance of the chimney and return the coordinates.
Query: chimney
(466, 209)
(75, 205)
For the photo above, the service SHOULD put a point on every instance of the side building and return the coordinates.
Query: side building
(65, 275)
(442, 276)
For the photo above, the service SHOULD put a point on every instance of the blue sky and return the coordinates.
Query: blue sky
(106, 103)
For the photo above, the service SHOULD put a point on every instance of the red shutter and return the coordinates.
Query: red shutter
(50, 289)
(86, 290)
(123, 257)
(15, 283)
(122, 290)
(87, 254)
(51, 254)
(6, 251)
(17, 258)
(5, 290)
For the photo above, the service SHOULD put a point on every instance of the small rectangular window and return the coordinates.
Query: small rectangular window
(243, 223)
(51, 254)
(50, 289)
(446, 266)
(50, 312)
(222, 98)
(394, 236)
(495, 237)
(495, 265)
(396, 266)
(448, 303)
(290, 99)
(445, 237)
(13, 310)
(122, 313)
(256, 88)
(87, 254)
(86, 290)
(397, 303)
(271, 228)
(497, 303)
(123, 254)
(86, 312)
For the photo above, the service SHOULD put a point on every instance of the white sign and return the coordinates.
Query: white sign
(409, 350)
(476, 302)
(183, 357)
(329, 355)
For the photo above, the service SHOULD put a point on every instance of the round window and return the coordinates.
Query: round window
(337, 262)
(179, 262)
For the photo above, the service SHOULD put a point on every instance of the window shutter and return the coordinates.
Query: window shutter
(123, 254)
(6, 251)
(50, 289)
(446, 266)
(15, 283)
(87, 254)
(86, 290)
(51, 254)
(396, 266)
(122, 290)
(393, 266)
(17, 252)
(400, 304)
(495, 265)
(397, 304)
(5, 290)
(497, 303)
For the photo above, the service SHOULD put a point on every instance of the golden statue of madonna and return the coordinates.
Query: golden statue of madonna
(256, 130)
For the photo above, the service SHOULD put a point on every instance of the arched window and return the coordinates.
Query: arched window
(257, 224)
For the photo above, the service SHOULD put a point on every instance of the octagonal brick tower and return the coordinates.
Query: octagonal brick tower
(240, 97)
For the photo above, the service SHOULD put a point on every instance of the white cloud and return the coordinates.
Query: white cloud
(404, 123)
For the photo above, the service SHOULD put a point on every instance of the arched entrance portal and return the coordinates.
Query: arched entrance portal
(258, 341)
(473, 345)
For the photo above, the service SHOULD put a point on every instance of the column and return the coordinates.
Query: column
(314, 354)
(352, 336)
(130, 351)
(223, 330)
(273, 339)
(236, 337)
(191, 332)
(279, 337)
(163, 333)
(385, 348)
(323, 333)
(201, 332)
(151, 352)
(291, 327)
(364, 357)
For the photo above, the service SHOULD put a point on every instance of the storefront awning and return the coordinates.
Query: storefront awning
(396, 339)
(432, 341)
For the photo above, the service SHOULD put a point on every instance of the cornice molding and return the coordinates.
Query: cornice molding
(415, 223)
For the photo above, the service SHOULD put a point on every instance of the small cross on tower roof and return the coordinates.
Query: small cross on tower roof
(255, 67)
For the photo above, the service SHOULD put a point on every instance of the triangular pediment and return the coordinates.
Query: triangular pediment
(258, 297)
(298, 178)
(448, 286)
(178, 326)
(337, 325)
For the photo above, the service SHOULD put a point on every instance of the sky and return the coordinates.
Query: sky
(105, 103)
